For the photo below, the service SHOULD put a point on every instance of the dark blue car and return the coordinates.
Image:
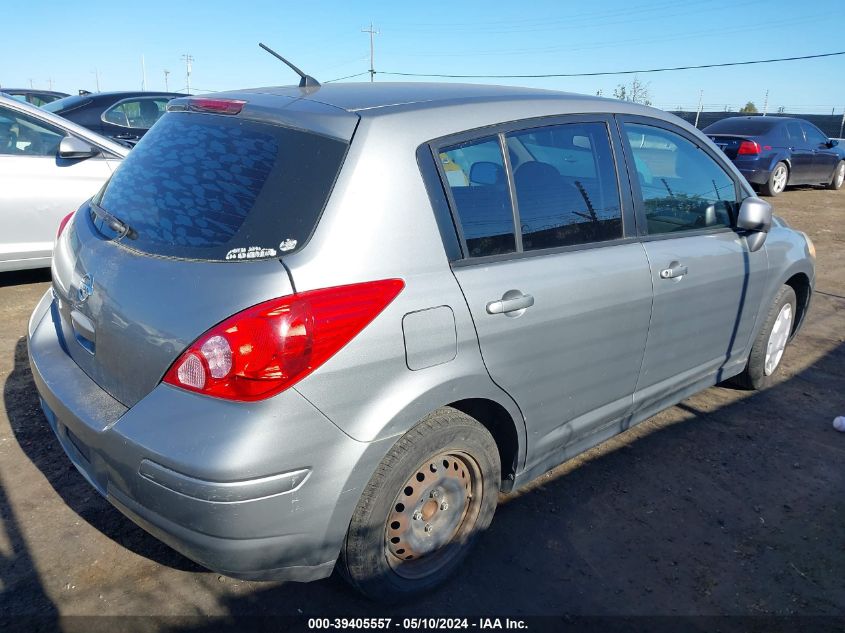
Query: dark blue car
(124, 116)
(773, 152)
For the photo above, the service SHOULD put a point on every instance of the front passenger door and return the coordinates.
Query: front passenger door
(707, 284)
(37, 188)
(824, 157)
(560, 298)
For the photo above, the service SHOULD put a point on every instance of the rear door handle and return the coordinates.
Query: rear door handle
(510, 303)
(674, 271)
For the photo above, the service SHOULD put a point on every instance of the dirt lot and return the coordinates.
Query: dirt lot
(729, 503)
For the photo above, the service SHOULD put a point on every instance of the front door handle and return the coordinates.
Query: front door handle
(674, 271)
(511, 301)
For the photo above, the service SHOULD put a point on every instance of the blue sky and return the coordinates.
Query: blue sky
(67, 42)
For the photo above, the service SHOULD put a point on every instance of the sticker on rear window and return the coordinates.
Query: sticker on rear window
(252, 252)
(287, 245)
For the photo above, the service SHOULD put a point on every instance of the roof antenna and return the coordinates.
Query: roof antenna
(306, 81)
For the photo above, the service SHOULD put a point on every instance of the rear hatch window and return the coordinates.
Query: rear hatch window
(219, 188)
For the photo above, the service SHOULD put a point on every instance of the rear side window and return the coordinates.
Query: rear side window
(136, 113)
(566, 188)
(682, 187)
(213, 187)
(475, 172)
(796, 135)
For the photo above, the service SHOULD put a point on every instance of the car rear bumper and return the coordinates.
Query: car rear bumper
(252, 490)
(755, 176)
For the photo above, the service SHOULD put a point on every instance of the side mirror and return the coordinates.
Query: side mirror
(755, 216)
(832, 142)
(73, 147)
(486, 173)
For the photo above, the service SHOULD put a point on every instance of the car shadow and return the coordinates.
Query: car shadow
(40, 445)
(21, 277)
(731, 509)
(707, 508)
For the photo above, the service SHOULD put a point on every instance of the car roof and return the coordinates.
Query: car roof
(123, 94)
(32, 91)
(356, 97)
(335, 109)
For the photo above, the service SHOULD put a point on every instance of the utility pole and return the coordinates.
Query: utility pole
(698, 112)
(143, 75)
(50, 83)
(166, 88)
(188, 61)
(372, 65)
(96, 72)
(30, 83)
(766, 103)
(842, 124)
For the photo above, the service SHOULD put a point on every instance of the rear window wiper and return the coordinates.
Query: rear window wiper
(115, 224)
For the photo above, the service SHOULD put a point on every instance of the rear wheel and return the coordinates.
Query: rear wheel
(433, 493)
(838, 177)
(768, 348)
(777, 180)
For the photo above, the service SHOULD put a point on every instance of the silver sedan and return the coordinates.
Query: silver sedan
(48, 167)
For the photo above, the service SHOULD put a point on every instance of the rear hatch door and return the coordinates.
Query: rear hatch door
(188, 231)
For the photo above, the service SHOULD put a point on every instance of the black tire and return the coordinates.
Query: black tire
(838, 176)
(755, 376)
(776, 184)
(383, 527)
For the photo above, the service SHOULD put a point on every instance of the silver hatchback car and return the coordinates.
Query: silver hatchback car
(302, 328)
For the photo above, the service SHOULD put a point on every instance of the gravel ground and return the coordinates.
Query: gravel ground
(729, 503)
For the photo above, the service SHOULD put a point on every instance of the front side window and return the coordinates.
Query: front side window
(813, 135)
(566, 187)
(136, 113)
(683, 188)
(22, 135)
(475, 172)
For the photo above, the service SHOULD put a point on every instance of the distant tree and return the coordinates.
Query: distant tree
(599, 92)
(749, 108)
(635, 92)
(781, 110)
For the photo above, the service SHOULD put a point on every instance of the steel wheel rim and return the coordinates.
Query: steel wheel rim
(777, 339)
(421, 535)
(779, 178)
(840, 175)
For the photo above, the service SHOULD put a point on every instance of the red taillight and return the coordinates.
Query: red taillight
(216, 106)
(748, 147)
(270, 347)
(63, 224)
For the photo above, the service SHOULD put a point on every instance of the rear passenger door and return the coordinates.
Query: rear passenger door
(707, 284)
(801, 161)
(559, 291)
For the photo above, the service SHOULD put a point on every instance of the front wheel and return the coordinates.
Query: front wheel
(777, 180)
(768, 348)
(838, 177)
(432, 494)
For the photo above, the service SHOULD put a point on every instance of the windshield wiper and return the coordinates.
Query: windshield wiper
(115, 224)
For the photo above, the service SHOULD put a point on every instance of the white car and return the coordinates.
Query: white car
(48, 167)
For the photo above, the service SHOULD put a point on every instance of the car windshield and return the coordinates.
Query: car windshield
(213, 187)
(741, 125)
